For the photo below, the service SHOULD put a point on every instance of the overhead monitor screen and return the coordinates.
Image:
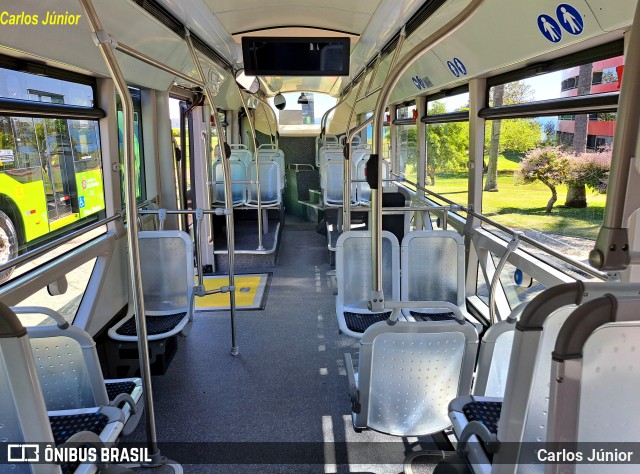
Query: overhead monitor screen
(269, 56)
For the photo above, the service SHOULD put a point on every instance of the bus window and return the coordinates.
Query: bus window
(548, 176)
(141, 189)
(407, 143)
(50, 168)
(448, 149)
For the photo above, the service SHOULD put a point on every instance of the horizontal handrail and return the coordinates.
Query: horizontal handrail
(386, 210)
(298, 166)
(524, 238)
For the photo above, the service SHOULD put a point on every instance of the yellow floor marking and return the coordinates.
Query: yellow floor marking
(244, 298)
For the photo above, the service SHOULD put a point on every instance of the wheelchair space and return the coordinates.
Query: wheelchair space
(288, 385)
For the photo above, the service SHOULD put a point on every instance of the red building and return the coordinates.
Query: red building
(606, 77)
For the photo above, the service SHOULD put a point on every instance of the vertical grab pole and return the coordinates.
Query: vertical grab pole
(255, 140)
(346, 171)
(228, 200)
(393, 76)
(106, 45)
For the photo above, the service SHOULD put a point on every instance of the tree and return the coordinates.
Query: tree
(546, 165)
(588, 170)
(447, 145)
(520, 135)
(512, 93)
(577, 193)
(491, 182)
(549, 129)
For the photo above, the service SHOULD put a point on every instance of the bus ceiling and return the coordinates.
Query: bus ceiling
(218, 28)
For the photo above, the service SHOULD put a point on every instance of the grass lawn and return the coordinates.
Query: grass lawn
(523, 206)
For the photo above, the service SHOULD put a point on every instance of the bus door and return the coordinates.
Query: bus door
(62, 193)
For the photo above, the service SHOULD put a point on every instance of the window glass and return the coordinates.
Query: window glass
(303, 114)
(548, 177)
(446, 105)
(66, 304)
(50, 180)
(141, 191)
(592, 78)
(517, 285)
(407, 143)
(448, 154)
(32, 87)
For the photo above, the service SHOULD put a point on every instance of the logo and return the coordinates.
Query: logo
(84, 183)
(23, 453)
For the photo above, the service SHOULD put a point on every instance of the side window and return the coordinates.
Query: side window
(448, 149)
(141, 190)
(50, 168)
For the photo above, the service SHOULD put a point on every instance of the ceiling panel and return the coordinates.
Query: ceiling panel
(148, 36)
(261, 17)
(362, 6)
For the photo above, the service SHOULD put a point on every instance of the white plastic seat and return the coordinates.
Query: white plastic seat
(407, 373)
(522, 416)
(166, 259)
(329, 142)
(238, 189)
(242, 153)
(270, 188)
(22, 406)
(332, 181)
(353, 275)
(83, 386)
(433, 270)
(269, 152)
(595, 373)
(494, 356)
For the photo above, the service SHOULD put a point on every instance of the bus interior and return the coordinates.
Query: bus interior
(383, 236)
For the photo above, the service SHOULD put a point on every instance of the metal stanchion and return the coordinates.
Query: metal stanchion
(107, 46)
(228, 198)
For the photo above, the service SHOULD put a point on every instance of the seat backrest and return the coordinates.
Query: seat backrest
(166, 263)
(524, 415)
(410, 371)
(68, 366)
(354, 270)
(270, 189)
(494, 356)
(433, 267)
(269, 152)
(332, 179)
(595, 376)
(242, 153)
(22, 407)
(238, 173)
(363, 191)
(330, 143)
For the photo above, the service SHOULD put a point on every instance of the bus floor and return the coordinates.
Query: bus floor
(282, 404)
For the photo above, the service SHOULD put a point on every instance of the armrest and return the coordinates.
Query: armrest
(124, 398)
(353, 387)
(475, 428)
(57, 317)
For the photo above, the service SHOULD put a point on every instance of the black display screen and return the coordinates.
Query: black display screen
(268, 56)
